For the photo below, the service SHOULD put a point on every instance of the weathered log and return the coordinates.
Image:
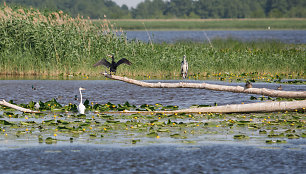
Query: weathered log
(236, 89)
(237, 108)
(3, 102)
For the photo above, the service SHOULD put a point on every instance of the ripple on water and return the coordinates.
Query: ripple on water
(152, 159)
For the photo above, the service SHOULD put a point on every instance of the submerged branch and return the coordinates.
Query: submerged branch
(236, 89)
(3, 102)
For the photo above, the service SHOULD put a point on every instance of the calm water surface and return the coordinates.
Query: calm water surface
(103, 91)
(154, 159)
(286, 36)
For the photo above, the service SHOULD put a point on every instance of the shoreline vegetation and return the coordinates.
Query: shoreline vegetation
(209, 24)
(55, 44)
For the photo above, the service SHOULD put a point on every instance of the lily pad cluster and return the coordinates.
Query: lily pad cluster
(59, 123)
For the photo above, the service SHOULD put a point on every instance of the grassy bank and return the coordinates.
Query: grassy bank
(37, 43)
(210, 24)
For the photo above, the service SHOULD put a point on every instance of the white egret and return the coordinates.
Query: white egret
(37, 106)
(184, 67)
(81, 107)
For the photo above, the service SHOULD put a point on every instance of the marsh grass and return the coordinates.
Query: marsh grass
(53, 43)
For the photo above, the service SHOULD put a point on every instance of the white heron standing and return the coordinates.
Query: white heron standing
(184, 67)
(37, 105)
(81, 107)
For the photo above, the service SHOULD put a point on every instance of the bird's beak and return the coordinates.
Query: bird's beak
(83, 89)
(109, 55)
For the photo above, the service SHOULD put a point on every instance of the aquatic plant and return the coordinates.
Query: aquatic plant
(53, 43)
(98, 126)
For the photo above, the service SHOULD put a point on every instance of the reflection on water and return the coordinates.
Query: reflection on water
(153, 159)
(103, 91)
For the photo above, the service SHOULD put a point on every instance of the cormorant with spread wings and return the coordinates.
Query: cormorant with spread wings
(113, 65)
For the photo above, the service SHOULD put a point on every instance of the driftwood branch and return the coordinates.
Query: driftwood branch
(3, 102)
(237, 108)
(236, 89)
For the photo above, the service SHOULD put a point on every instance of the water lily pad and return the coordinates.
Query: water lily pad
(4, 122)
(275, 141)
(50, 140)
(293, 136)
(178, 136)
(135, 141)
(241, 137)
(152, 135)
(163, 130)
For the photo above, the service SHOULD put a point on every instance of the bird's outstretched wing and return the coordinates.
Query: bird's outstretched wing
(123, 60)
(102, 62)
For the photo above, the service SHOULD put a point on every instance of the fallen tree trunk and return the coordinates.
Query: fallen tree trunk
(237, 108)
(3, 102)
(253, 107)
(236, 89)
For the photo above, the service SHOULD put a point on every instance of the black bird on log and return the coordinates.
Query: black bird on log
(113, 65)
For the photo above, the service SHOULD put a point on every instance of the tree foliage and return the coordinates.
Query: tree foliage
(156, 9)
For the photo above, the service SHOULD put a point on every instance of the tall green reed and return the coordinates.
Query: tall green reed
(53, 43)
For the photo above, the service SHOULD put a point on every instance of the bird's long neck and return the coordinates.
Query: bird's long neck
(113, 60)
(81, 96)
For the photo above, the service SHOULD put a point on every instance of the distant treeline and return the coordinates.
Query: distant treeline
(160, 9)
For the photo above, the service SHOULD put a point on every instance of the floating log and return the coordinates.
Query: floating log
(236, 89)
(237, 108)
(252, 107)
(3, 102)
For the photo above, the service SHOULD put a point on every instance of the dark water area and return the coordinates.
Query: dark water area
(116, 92)
(207, 158)
(285, 36)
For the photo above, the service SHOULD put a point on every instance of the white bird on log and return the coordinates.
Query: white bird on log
(184, 67)
(113, 65)
(81, 107)
(37, 105)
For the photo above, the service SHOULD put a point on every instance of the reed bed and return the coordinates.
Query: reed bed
(53, 43)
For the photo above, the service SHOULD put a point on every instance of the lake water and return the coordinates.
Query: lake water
(286, 36)
(211, 154)
(116, 92)
(155, 159)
